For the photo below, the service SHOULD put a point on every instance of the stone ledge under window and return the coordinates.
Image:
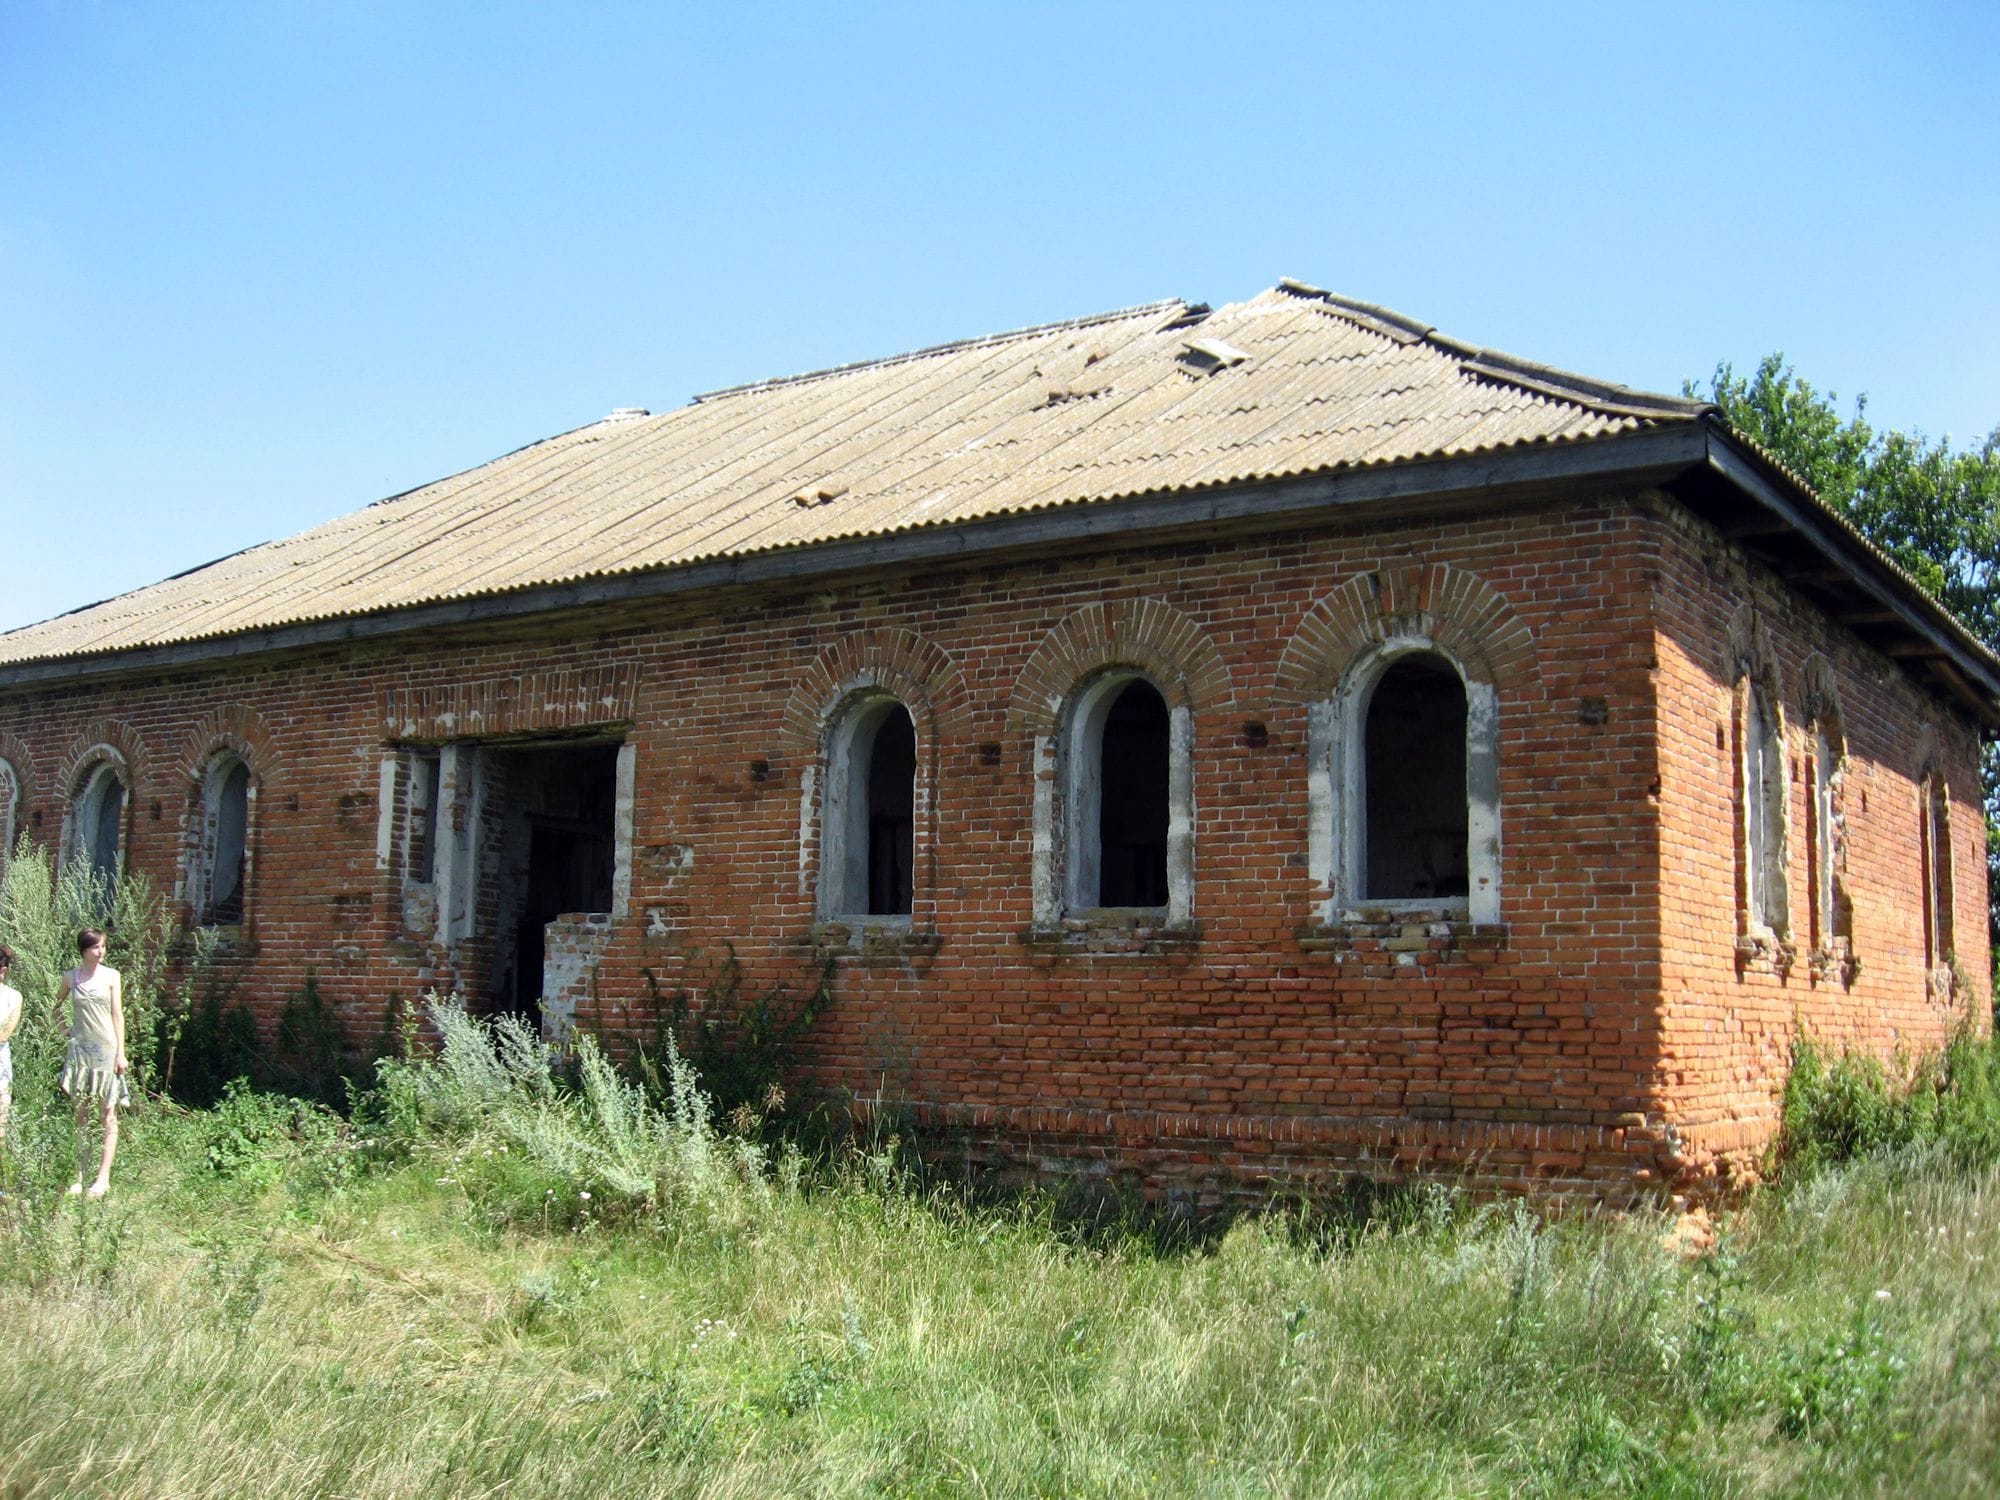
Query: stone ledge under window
(1406, 936)
(876, 937)
(1113, 931)
(1835, 961)
(1761, 951)
(1941, 984)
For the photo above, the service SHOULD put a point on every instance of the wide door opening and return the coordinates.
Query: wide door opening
(552, 817)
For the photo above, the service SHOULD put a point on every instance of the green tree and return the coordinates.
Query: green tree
(1933, 508)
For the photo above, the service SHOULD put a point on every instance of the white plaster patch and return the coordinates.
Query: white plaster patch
(385, 813)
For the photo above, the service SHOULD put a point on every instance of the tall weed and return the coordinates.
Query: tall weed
(599, 1134)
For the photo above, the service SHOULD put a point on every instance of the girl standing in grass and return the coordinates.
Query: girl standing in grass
(10, 1017)
(95, 1066)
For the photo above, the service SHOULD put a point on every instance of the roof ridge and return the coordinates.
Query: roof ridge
(1493, 364)
(981, 341)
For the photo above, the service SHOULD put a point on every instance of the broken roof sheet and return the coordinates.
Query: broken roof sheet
(1150, 400)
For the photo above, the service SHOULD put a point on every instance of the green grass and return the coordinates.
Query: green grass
(267, 1306)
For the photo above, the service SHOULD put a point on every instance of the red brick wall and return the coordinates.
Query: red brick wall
(1535, 1054)
(1730, 1018)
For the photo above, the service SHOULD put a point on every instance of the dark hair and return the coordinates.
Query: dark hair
(89, 938)
(6, 957)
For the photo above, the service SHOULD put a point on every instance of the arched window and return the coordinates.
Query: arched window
(1763, 738)
(97, 820)
(1120, 757)
(1404, 776)
(12, 791)
(220, 867)
(1934, 842)
(868, 811)
(1415, 822)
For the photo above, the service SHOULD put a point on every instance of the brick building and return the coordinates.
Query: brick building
(1217, 746)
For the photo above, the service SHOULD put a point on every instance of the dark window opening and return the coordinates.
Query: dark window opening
(1416, 806)
(232, 820)
(1132, 806)
(892, 776)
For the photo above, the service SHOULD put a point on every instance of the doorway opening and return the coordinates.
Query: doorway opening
(551, 816)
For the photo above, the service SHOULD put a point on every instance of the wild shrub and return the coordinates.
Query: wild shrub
(1852, 1106)
(309, 1056)
(260, 1139)
(208, 1038)
(744, 1047)
(599, 1134)
(1836, 1380)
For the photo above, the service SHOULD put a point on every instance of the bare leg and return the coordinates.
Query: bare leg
(103, 1184)
(83, 1113)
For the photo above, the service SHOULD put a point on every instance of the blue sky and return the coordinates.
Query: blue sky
(264, 263)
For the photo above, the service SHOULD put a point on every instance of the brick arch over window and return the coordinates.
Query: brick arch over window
(858, 675)
(104, 739)
(1459, 611)
(102, 742)
(240, 729)
(1146, 634)
(899, 662)
(1061, 696)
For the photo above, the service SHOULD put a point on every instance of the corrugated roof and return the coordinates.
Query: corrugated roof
(1150, 400)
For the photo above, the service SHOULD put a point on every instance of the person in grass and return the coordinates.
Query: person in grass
(95, 1066)
(10, 1017)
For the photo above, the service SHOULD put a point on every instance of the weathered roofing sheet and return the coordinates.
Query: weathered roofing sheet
(1153, 399)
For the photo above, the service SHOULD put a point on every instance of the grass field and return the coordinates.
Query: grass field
(491, 1284)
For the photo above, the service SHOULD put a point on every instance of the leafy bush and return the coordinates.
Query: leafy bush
(601, 1134)
(208, 1038)
(309, 1058)
(1837, 1380)
(744, 1047)
(1852, 1106)
(262, 1139)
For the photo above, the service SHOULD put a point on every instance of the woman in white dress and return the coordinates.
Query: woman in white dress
(10, 1017)
(95, 1066)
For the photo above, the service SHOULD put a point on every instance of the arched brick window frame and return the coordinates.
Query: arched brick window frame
(230, 736)
(1830, 908)
(1762, 821)
(1331, 664)
(1935, 863)
(1073, 675)
(845, 691)
(105, 751)
(17, 775)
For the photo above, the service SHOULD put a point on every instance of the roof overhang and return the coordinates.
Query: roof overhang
(1749, 499)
